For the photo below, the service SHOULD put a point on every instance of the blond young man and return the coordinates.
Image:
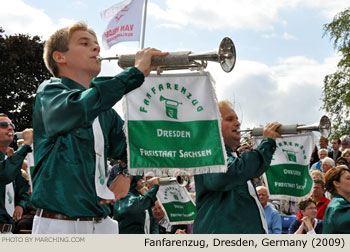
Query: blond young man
(75, 130)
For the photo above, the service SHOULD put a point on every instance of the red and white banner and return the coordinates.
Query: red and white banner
(124, 22)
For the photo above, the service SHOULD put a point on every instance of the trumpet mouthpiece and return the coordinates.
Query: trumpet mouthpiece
(17, 134)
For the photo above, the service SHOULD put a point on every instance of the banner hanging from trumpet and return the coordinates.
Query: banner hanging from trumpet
(177, 204)
(172, 121)
(288, 176)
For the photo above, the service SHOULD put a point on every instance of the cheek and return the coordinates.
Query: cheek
(226, 127)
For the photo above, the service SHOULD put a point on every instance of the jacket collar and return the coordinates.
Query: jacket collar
(72, 84)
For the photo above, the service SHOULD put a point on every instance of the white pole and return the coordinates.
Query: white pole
(144, 25)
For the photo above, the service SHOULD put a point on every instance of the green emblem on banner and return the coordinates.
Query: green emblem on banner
(177, 204)
(291, 155)
(170, 107)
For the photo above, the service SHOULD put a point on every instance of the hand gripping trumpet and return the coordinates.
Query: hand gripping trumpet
(225, 56)
(324, 127)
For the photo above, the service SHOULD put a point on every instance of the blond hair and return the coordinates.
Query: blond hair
(346, 151)
(318, 174)
(225, 103)
(59, 42)
(329, 161)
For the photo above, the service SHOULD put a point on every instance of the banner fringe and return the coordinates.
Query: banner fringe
(160, 171)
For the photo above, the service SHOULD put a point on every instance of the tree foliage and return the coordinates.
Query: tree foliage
(21, 70)
(336, 89)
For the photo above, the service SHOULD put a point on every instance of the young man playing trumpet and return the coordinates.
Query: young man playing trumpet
(75, 130)
(13, 187)
(227, 203)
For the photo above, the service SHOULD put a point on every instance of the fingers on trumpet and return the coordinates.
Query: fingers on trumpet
(143, 59)
(153, 181)
(270, 131)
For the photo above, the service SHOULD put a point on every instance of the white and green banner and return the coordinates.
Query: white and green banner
(177, 204)
(172, 121)
(288, 176)
(30, 168)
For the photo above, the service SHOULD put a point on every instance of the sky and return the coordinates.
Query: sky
(282, 56)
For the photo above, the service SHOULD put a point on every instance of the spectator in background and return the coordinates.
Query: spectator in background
(316, 174)
(318, 195)
(337, 216)
(322, 153)
(272, 216)
(335, 153)
(341, 161)
(309, 224)
(327, 163)
(10, 151)
(314, 156)
(163, 222)
(323, 142)
(164, 225)
(345, 142)
(346, 155)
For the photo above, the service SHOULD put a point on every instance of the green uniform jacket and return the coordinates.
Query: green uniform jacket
(130, 211)
(64, 154)
(337, 216)
(223, 200)
(21, 186)
(9, 167)
(10, 171)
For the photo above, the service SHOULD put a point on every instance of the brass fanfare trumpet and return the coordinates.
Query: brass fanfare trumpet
(17, 134)
(182, 179)
(225, 56)
(324, 127)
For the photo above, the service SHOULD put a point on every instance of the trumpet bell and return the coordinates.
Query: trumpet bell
(325, 126)
(181, 179)
(227, 55)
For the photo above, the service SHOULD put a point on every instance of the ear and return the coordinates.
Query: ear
(58, 57)
(336, 183)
